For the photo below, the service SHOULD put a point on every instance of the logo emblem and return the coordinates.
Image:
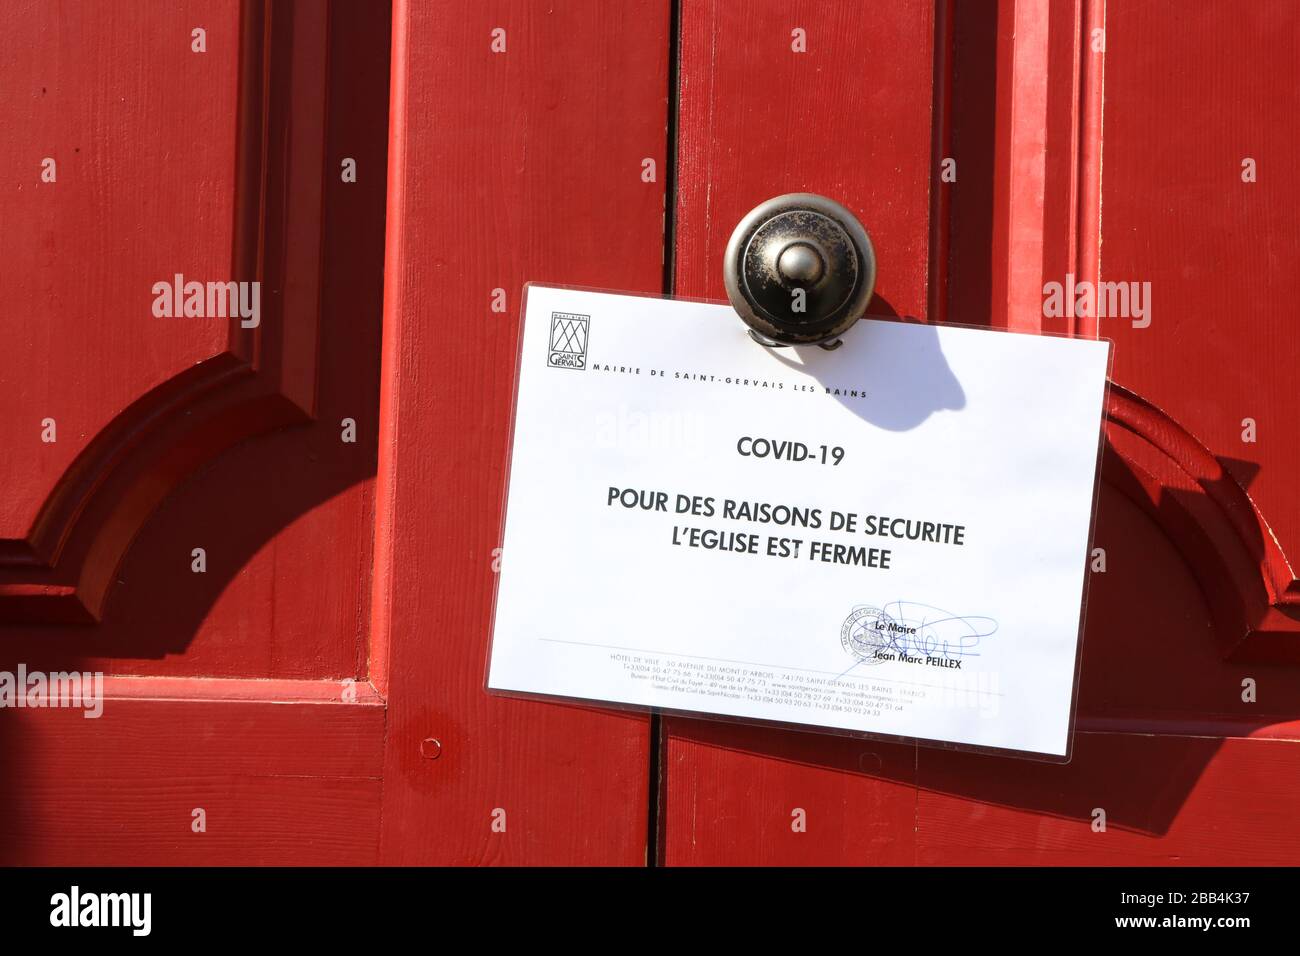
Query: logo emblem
(568, 340)
(867, 632)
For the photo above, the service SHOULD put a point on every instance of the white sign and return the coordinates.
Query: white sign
(889, 538)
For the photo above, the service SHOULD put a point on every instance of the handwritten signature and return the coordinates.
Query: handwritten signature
(911, 629)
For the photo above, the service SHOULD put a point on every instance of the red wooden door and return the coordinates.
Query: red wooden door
(285, 579)
(1184, 107)
(314, 686)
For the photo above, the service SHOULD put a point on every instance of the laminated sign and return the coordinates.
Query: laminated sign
(888, 538)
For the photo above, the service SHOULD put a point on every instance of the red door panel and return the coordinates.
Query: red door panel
(83, 242)
(280, 778)
(239, 695)
(106, 159)
(1196, 592)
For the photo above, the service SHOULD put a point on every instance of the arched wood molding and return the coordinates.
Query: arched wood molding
(1249, 585)
(62, 570)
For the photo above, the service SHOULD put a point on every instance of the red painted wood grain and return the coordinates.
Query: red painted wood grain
(140, 159)
(505, 167)
(280, 783)
(850, 119)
